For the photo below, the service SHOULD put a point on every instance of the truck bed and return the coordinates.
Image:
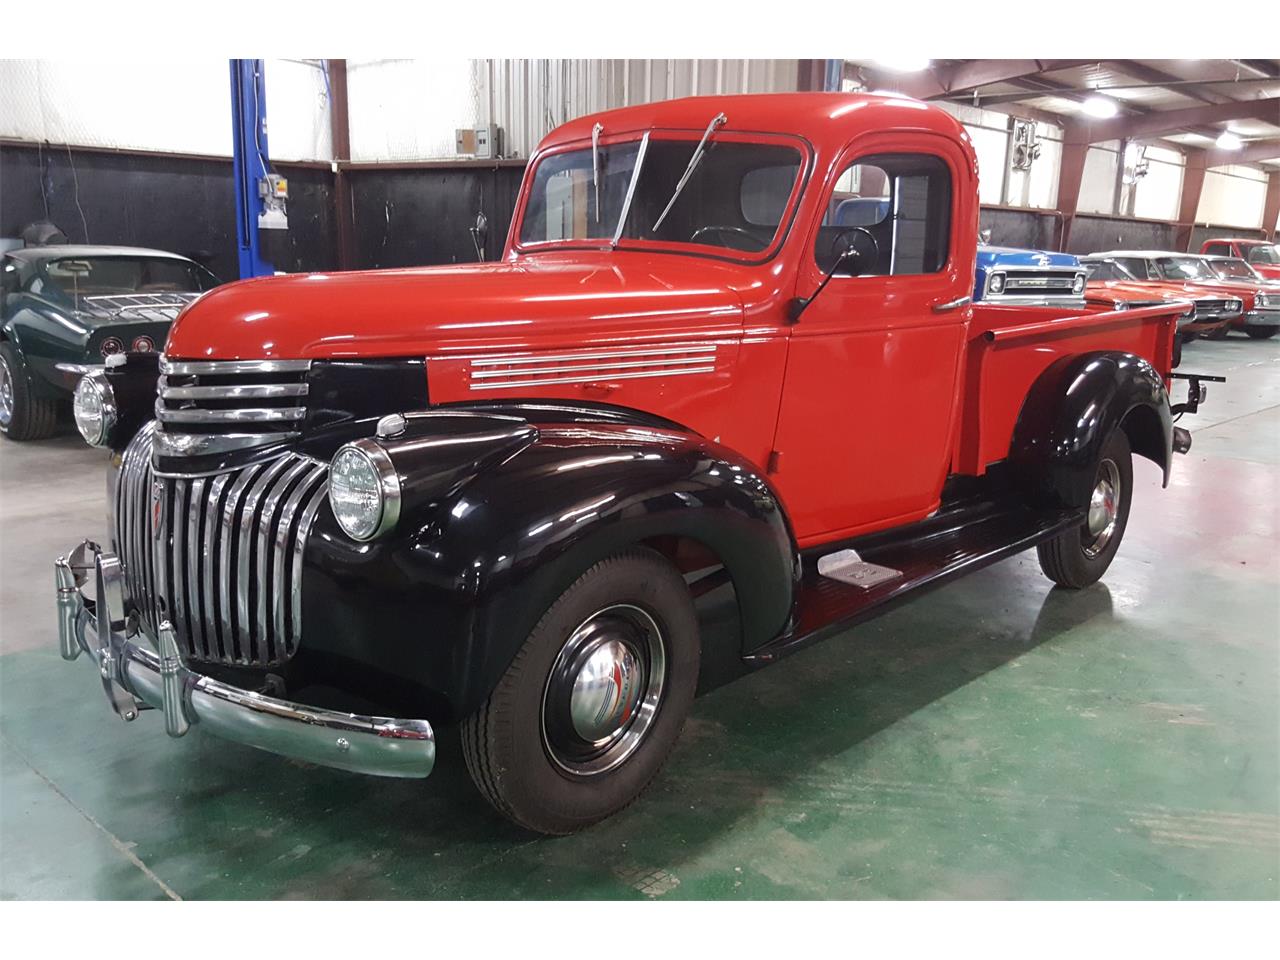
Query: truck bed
(1010, 346)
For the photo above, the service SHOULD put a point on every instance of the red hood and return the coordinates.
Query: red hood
(1169, 290)
(413, 312)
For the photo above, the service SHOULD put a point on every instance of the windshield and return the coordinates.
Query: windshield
(1263, 253)
(1184, 268)
(97, 276)
(735, 198)
(1106, 270)
(1233, 268)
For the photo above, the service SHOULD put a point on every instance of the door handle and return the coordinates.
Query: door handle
(955, 304)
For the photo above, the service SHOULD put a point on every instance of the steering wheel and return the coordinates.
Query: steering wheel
(855, 244)
(728, 231)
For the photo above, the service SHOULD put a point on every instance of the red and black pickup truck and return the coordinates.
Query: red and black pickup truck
(488, 494)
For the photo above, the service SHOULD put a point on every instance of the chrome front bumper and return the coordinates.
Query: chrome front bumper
(136, 677)
(1263, 317)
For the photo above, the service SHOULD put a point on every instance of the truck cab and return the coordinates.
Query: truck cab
(1262, 255)
(731, 342)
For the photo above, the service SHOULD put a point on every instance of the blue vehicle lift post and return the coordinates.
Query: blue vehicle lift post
(249, 161)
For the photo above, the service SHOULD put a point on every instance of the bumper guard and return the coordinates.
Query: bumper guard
(135, 678)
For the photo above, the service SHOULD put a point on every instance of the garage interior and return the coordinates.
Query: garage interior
(994, 739)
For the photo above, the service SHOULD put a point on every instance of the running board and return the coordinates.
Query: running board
(960, 540)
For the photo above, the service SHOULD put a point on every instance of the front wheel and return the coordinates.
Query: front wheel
(1080, 556)
(593, 702)
(1260, 332)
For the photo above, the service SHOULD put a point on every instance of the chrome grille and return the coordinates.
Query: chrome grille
(219, 556)
(229, 404)
(1039, 283)
(1217, 308)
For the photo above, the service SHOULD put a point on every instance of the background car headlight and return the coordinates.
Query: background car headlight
(996, 283)
(94, 407)
(364, 490)
(1078, 287)
(1262, 300)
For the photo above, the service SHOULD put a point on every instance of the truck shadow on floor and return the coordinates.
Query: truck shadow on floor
(744, 743)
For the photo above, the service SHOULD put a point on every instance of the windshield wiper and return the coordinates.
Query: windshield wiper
(716, 121)
(595, 164)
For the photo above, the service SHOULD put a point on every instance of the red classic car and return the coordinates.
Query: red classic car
(1262, 255)
(1262, 317)
(1141, 276)
(355, 507)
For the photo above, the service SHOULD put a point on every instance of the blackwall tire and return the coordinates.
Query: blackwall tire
(1080, 556)
(576, 728)
(1261, 333)
(22, 415)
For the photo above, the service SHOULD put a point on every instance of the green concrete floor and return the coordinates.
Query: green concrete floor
(994, 738)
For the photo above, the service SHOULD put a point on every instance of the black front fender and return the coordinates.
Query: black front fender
(1070, 411)
(488, 544)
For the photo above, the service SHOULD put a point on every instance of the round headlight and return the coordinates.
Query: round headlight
(996, 284)
(1261, 300)
(1078, 287)
(364, 490)
(94, 407)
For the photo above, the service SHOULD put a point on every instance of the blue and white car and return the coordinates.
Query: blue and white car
(1029, 277)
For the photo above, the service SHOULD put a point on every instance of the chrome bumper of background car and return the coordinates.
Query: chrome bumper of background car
(136, 677)
(1263, 317)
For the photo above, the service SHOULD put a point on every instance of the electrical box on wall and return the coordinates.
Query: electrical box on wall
(1025, 143)
(483, 143)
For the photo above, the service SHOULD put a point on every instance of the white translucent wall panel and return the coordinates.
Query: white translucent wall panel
(1037, 187)
(1233, 196)
(1098, 183)
(527, 98)
(990, 146)
(178, 106)
(298, 110)
(1158, 194)
(409, 109)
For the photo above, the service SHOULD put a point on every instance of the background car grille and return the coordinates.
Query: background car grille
(219, 556)
(1207, 309)
(245, 402)
(1038, 283)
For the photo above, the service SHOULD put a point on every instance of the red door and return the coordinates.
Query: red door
(869, 402)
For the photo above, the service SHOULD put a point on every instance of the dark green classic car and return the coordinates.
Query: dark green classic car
(64, 309)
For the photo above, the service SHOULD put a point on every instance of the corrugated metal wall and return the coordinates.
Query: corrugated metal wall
(527, 98)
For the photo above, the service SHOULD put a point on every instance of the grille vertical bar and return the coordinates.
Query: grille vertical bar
(220, 557)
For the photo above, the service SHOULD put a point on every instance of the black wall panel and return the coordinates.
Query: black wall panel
(182, 204)
(411, 217)
(1020, 228)
(1095, 234)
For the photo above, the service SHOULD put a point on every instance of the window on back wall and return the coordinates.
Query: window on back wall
(897, 207)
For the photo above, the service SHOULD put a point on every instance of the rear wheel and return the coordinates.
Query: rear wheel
(1080, 556)
(1261, 333)
(22, 415)
(592, 704)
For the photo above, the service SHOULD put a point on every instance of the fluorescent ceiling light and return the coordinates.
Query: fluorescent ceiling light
(905, 64)
(1229, 141)
(1101, 107)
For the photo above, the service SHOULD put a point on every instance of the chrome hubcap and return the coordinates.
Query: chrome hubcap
(6, 393)
(603, 693)
(1104, 509)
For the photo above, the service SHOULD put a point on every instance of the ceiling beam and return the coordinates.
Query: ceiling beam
(1252, 152)
(1168, 121)
(951, 79)
(1159, 78)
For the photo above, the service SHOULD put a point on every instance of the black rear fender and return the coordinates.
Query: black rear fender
(1069, 412)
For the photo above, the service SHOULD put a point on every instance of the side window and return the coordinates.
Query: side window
(1218, 249)
(890, 214)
